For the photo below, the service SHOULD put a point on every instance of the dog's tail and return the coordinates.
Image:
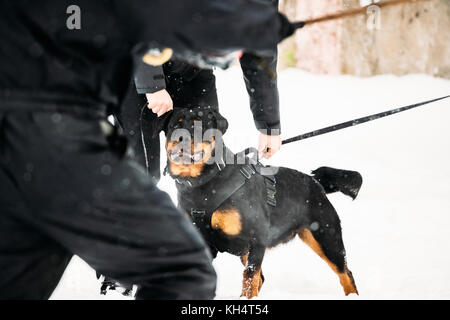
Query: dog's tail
(334, 180)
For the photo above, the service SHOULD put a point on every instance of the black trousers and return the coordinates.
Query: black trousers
(65, 189)
(137, 121)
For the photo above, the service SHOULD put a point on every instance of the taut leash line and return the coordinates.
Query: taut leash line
(358, 121)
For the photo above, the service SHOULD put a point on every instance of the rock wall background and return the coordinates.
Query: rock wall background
(410, 38)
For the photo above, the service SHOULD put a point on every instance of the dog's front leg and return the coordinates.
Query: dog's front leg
(253, 278)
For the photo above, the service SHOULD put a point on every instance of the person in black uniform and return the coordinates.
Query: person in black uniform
(66, 184)
(157, 90)
(181, 85)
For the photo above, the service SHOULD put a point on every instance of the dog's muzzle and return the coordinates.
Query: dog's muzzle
(181, 157)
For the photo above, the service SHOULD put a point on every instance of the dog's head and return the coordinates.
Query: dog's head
(192, 136)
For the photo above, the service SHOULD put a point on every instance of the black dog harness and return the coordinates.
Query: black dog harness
(225, 180)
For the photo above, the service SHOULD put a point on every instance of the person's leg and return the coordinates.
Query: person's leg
(31, 264)
(101, 206)
(133, 116)
(153, 147)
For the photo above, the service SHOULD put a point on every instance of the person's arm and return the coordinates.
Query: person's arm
(203, 25)
(150, 80)
(260, 77)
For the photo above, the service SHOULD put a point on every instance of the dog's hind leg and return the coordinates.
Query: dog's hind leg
(329, 246)
(253, 278)
(244, 260)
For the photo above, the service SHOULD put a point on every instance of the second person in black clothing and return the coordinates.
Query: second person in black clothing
(180, 85)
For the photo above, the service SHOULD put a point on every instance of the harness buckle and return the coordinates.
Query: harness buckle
(221, 165)
(184, 182)
(195, 212)
(247, 171)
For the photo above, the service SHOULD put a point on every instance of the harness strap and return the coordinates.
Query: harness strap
(214, 193)
(226, 182)
(271, 190)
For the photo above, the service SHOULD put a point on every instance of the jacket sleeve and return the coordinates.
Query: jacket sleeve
(260, 77)
(148, 79)
(203, 25)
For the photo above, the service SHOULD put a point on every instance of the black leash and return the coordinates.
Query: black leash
(359, 121)
(147, 164)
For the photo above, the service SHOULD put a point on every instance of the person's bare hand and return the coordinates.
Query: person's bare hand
(268, 145)
(159, 102)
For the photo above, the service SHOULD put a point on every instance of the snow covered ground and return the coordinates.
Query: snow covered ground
(396, 234)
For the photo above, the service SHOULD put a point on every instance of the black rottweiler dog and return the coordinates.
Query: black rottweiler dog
(239, 210)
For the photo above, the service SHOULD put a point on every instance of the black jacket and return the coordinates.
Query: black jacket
(44, 62)
(190, 86)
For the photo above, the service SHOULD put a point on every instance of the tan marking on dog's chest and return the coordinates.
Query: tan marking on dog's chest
(229, 221)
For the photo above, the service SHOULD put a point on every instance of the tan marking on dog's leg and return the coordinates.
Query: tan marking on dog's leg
(261, 282)
(244, 260)
(229, 221)
(347, 282)
(251, 284)
(345, 278)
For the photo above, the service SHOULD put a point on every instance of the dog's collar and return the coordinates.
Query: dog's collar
(209, 196)
(196, 182)
(223, 182)
(218, 166)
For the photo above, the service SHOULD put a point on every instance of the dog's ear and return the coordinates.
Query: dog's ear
(160, 124)
(222, 123)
